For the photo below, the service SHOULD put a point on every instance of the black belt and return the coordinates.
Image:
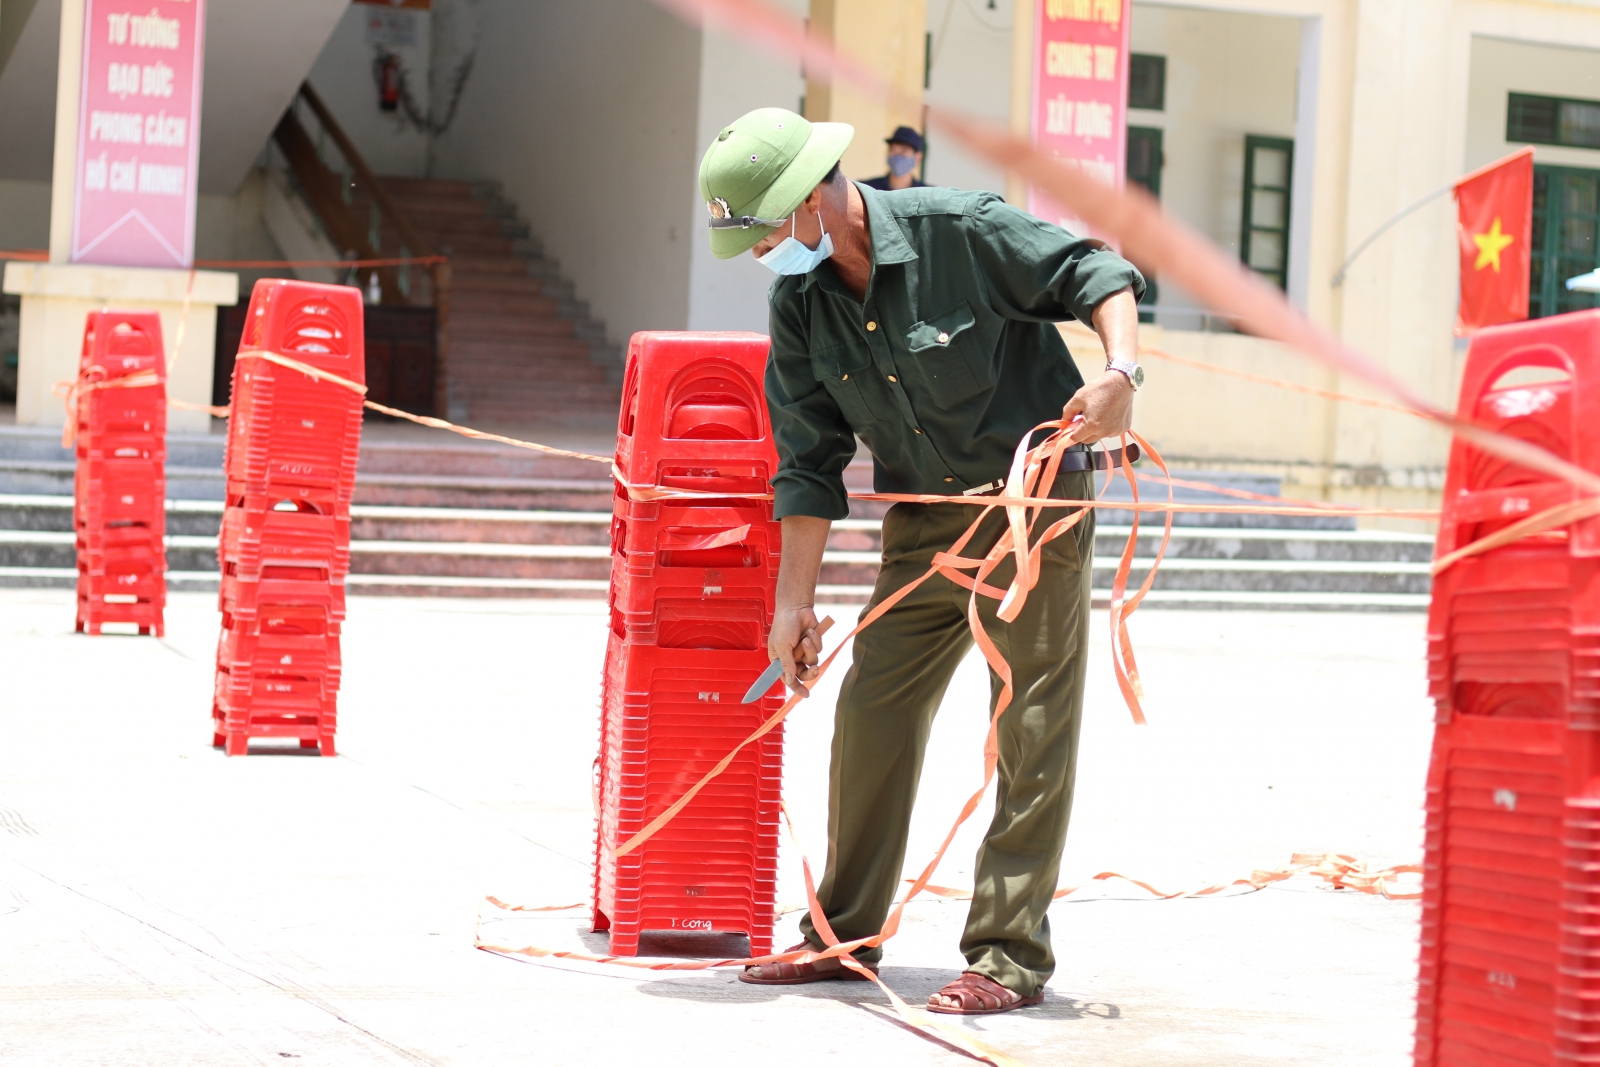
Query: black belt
(1078, 458)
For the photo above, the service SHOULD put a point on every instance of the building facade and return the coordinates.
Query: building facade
(1287, 131)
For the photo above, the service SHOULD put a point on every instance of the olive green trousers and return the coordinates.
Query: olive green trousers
(901, 666)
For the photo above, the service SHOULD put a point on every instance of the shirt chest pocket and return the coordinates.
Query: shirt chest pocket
(840, 368)
(946, 359)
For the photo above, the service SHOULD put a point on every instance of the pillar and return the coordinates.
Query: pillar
(889, 36)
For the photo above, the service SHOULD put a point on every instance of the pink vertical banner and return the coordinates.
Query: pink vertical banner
(138, 132)
(1080, 92)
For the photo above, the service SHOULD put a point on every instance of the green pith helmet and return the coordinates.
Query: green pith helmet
(760, 169)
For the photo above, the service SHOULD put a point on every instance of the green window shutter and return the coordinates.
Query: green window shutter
(1264, 220)
(1566, 217)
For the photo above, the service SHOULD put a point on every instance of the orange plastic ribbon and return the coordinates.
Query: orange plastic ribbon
(1279, 383)
(71, 392)
(1336, 869)
(1550, 519)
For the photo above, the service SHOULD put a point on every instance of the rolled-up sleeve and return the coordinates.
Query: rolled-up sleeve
(814, 441)
(1039, 272)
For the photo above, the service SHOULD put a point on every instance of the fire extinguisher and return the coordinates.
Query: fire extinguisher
(389, 81)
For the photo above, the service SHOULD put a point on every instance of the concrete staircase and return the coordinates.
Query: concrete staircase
(464, 519)
(522, 347)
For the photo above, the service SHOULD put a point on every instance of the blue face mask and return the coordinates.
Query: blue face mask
(900, 165)
(792, 257)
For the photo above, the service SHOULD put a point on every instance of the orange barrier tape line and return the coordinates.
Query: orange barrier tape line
(1278, 383)
(1245, 494)
(653, 492)
(1336, 869)
(915, 1018)
(1129, 216)
(40, 255)
(1550, 519)
(503, 906)
(210, 409)
(479, 435)
(1306, 508)
(424, 420)
(71, 390)
(1031, 469)
(393, 261)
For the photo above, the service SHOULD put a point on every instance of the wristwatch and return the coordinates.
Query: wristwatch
(1128, 367)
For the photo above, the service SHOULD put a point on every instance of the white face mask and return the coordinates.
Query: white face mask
(793, 257)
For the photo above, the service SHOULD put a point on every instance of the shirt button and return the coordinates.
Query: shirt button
(892, 378)
(871, 326)
(949, 479)
(944, 338)
(916, 431)
(844, 378)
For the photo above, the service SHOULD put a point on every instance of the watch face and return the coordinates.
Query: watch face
(1138, 376)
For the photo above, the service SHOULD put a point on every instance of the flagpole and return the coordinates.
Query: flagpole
(1339, 275)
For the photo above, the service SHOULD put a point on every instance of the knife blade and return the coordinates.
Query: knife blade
(774, 670)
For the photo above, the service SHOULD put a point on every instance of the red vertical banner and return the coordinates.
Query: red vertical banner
(138, 132)
(1080, 92)
(1494, 221)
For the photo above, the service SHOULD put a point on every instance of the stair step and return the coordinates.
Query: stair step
(488, 308)
(511, 266)
(441, 188)
(469, 328)
(472, 245)
(440, 222)
(466, 551)
(533, 380)
(592, 559)
(520, 348)
(481, 285)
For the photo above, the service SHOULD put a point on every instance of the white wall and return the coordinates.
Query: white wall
(1228, 75)
(731, 294)
(588, 115)
(343, 77)
(1503, 67)
(971, 72)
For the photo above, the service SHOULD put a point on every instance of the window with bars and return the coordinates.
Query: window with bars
(1553, 120)
(1147, 82)
(1264, 222)
(1566, 217)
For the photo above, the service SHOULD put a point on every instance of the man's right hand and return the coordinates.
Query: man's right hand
(795, 643)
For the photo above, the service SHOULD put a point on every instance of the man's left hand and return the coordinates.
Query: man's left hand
(1106, 405)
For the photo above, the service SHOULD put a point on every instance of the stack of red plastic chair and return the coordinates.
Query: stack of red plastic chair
(692, 586)
(284, 548)
(120, 486)
(1510, 963)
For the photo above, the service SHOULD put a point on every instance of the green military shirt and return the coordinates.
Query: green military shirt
(949, 360)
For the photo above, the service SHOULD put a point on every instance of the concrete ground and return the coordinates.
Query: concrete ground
(161, 904)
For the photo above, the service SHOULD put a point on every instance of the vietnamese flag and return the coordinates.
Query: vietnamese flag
(1494, 217)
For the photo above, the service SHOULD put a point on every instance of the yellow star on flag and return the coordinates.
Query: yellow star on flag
(1490, 245)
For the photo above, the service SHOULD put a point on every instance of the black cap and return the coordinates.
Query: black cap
(907, 136)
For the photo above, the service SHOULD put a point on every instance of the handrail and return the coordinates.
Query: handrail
(327, 189)
(364, 175)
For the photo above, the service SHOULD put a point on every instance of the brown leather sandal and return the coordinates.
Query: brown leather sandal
(980, 995)
(828, 970)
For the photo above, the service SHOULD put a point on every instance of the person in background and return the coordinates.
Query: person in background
(905, 159)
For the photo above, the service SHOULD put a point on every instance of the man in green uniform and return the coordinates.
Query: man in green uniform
(921, 321)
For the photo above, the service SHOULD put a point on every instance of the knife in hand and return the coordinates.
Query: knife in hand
(774, 670)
